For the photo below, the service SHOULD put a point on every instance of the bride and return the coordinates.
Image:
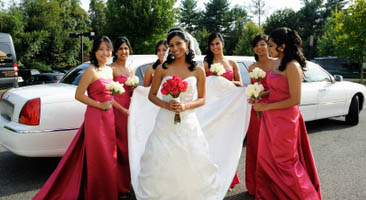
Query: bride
(196, 159)
(176, 164)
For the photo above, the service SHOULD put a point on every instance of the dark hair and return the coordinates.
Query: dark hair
(157, 62)
(256, 40)
(209, 55)
(117, 43)
(293, 49)
(97, 41)
(189, 57)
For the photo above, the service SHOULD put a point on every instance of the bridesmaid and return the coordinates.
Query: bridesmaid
(214, 54)
(266, 63)
(160, 50)
(285, 164)
(87, 169)
(121, 72)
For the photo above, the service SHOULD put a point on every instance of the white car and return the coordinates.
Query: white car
(41, 120)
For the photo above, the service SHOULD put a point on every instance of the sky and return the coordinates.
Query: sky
(270, 5)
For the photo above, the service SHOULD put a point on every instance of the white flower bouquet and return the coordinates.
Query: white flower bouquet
(257, 74)
(132, 81)
(217, 69)
(115, 87)
(253, 91)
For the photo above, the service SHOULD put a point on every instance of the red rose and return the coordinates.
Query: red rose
(167, 87)
(171, 82)
(175, 91)
(181, 86)
(164, 91)
(176, 78)
(185, 83)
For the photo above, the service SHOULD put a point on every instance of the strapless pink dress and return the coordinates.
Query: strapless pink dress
(229, 75)
(285, 163)
(124, 99)
(251, 147)
(88, 168)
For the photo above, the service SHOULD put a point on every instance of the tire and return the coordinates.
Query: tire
(352, 117)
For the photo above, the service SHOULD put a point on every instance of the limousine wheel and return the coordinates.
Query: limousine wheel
(352, 117)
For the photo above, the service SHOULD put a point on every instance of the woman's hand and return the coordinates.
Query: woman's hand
(238, 84)
(260, 106)
(105, 105)
(175, 106)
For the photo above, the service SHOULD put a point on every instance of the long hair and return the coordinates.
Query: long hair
(189, 57)
(117, 43)
(97, 41)
(157, 62)
(256, 40)
(209, 55)
(293, 49)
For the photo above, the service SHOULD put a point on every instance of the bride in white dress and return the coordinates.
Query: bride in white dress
(176, 164)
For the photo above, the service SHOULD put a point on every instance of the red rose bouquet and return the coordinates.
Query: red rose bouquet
(174, 86)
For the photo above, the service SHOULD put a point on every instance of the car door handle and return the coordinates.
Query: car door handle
(323, 89)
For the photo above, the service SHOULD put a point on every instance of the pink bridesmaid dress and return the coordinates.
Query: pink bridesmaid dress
(251, 147)
(87, 169)
(124, 99)
(229, 75)
(285, 164)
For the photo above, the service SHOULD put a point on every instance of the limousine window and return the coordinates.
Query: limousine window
(315, 74)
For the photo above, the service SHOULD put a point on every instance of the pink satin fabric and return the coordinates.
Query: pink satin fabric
(229, 75)
(251, 147)
(124, 99)
(88, 168)
(285, 164)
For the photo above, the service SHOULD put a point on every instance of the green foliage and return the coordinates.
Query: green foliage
(244, 46)
(345, 33)
(216, 18)
(143, 22)
(202, 37)
(40, 30)
(97, 16)
(191, 17)
(281, 18)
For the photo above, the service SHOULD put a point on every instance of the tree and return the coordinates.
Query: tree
(190, 15)
(143, 22)
(259, 9)
(41, 28)
(333, 5)
(216, 18)
(310, 25)
(239, 18)
(281, 18)
(345, 33)
(244, 46)
(97, 16)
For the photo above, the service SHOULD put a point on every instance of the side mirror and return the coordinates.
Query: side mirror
(9, 55)
(338, 77)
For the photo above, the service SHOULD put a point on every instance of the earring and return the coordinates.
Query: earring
(187, 51)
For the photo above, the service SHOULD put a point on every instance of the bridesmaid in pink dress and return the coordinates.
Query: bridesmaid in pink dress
(265, 63)
(121, 72)
(160, 50)
(87, 169)
(214, 54)
(285, 164)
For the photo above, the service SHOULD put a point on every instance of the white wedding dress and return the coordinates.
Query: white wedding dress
(178, 161)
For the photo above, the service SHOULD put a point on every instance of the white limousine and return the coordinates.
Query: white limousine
(41, 120)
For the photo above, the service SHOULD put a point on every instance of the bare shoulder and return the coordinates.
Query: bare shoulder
(293, 67)
(199, 72)
(233, 63)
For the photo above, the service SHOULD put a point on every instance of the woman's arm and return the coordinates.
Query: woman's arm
(118, 106)
(237, 77)
(148, 76)
(293, 73)
(88, 78)
(205, 66)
